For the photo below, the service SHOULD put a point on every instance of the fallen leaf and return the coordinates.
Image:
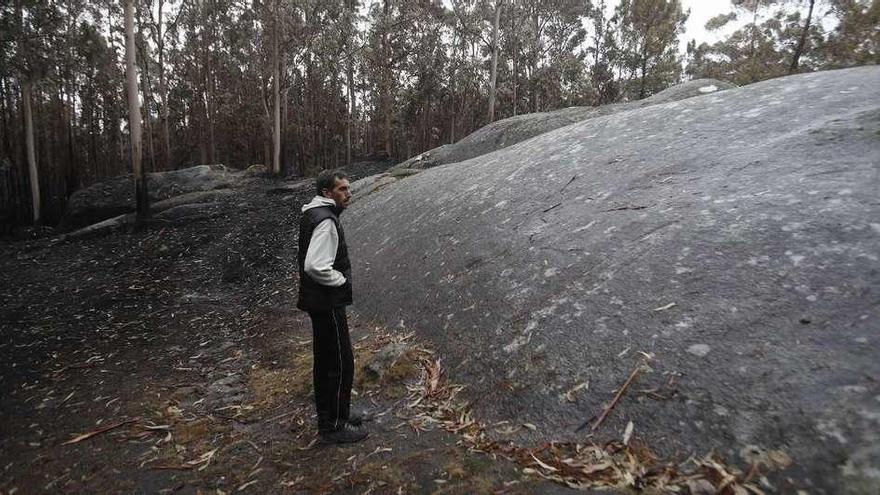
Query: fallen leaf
(543, 465)
(627, 433)
(569, 396)
(86, 436)
(157, 427)
(378, 450)
(700, 487)
(779, 459)
(595, 468)
(664, 308)
(249, 483)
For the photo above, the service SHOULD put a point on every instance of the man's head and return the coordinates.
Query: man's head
(334, 184)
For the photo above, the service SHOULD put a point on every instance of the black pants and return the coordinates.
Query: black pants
(334, 367)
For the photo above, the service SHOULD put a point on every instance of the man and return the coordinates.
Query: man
(324, 292)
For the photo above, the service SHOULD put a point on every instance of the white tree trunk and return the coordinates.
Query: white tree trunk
(276, 130)
(349, 41)
(494, 76)
(26, 89)
(163, 93)
(134, 113)
(350, 121)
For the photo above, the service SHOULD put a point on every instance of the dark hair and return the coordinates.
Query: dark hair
(327, 179)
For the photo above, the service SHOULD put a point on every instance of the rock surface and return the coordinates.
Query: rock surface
(734, 237)
(115, 196)
(512, 130)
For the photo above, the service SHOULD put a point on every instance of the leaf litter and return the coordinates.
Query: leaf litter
(625, 464)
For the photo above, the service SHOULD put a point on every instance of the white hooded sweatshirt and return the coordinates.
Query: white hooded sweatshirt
(322, 248)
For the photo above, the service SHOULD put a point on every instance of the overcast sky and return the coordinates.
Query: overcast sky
(701, 11)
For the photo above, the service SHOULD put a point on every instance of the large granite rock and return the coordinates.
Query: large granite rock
(733, 236)
(115, 196)
(512, 130)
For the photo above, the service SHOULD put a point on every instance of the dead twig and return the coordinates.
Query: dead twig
(753, 471)
(76, 367)
(171, 467)
(635, 373)
(103, 429)
(281, 416)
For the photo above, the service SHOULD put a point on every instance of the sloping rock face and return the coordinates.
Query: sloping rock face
(733, 236)
(512, 130)
(116, 196)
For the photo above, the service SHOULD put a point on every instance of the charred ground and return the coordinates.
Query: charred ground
(170, 358)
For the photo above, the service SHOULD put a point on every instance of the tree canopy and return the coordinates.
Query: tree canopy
(301, 85)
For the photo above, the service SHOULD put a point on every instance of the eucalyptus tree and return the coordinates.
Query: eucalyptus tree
(494, 77)
(603, 53)
(421, 77)
(134, 113)
(161, 27)
(777, 39)
(554, 30)
(32, 29)
(383, 55)
(350, 26)
(802, 40)
(855, 40)
(648, 41)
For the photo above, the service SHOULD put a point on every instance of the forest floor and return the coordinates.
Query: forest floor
(170, 358)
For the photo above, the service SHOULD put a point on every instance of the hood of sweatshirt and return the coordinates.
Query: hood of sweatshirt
(320, 201)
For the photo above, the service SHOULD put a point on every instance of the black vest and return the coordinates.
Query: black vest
(312, 295)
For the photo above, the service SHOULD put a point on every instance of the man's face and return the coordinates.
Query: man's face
(341, 193)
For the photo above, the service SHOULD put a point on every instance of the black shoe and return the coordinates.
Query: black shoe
(357, 419)
(346, 434)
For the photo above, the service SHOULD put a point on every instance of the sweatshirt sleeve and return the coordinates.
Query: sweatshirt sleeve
(322, 253)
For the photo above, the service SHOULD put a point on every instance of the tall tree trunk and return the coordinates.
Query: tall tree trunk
(148, 100)
(70, 176)
(210, 112)
(535, 46)
(163, 91)
(515, 77)
(799, 50)
(163, 115)
(351, 26)
(600, 28)
(386, 81)
(5, 113)
(452, 71)
(276, 90)
(210, 94)
(33, 175)
(92, 126)
(45, 142)
(72, 179)
(494, 75)
(267, 126)
(350, 121)
(134, 114)
(112, 120)
(285, 126)
(644, 74)
(753, 41)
